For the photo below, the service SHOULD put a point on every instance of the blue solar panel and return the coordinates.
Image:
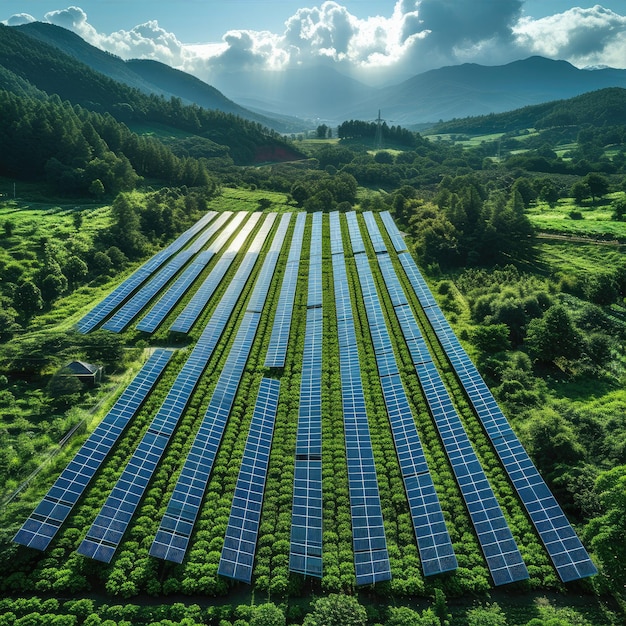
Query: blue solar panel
(499, 548)
(371, 559)
(376, 238)
(121, 293)
(174, 533)
(277, 349)
(151, 321)
(43, 524)
(122, 318)
(396, 236)
(107, 530)
(200, 299)
(243, 524)
(433, 539)
(305, 551)
(336, 243)
(356, 240)
(568, 555)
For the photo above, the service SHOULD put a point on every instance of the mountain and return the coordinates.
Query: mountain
(315, 93)
(149, 77)
(470, 89)
(441, 94)
(322, 94)
(28, 67)
(604, 108)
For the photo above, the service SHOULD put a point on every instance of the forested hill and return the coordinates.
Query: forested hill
(150, 77)
(604, 107)
(25, 61)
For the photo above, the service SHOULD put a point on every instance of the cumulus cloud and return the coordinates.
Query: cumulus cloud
(418, 35)
(19, 19)
(582, 36)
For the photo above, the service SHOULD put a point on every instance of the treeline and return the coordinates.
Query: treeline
(84, 153)
(46, 68)
(356, 129)
(598, 108)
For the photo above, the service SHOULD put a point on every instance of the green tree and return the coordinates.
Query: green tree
(96, 188)
(76, 270)
(580, 191)
(605, 534)
(27, 300)
(488, 615)
(9, 226)
(267, 615)
(553, 336)
(491, 337)
(336, 610)
(404, 616)
(597, 184)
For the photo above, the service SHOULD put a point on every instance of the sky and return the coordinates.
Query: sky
(375, 41)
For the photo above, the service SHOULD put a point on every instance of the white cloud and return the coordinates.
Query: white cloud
(19, 19)
(582, 36)
(418, 35)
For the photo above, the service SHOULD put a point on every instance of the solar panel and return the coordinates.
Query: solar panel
(376, 238)
(121, 293)
(151, 321)
(242, 530)
(109, 526)
(494, 535)
(305, 550)
(568, 555)
(277, 349)
(44, 522)
(356, 240)
(392, 230)
(174, 533)
(124, 316)
(200, 299)
(371, 559)
(433, 540)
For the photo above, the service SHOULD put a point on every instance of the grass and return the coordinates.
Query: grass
(595, 222)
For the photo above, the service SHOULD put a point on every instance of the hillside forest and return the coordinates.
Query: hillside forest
(518, 222)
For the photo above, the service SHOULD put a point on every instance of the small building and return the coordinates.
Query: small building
(89, 374)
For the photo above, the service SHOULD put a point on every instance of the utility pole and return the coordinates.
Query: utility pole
(378, 141)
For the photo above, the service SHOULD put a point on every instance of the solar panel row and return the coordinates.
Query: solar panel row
(42, 525)
(119, 295)
(433, 540)
(494, 535)
(124, 316)
(305, 550)
(371, 558)
(392, 230)
(174, 533)
(107, 530)
(568, 555)
(151, 321)
(277, 349)
(192, 311)
(242, 530)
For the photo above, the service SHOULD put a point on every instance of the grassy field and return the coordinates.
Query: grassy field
(594, 222)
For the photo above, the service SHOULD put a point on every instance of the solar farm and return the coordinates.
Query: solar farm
(306, 415)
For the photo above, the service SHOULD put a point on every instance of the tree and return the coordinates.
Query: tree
(404, 616)
(580, 191)
(27, 300)
(321, 131)
(553, 336)
(96, 188)
(8, 228)
(605, 534)
(597, 184)
(76, 270)
(488, 615)
(267, 615)
(491, 337)
(336, 610)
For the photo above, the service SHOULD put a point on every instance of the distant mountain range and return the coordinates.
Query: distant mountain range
(315, 95)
